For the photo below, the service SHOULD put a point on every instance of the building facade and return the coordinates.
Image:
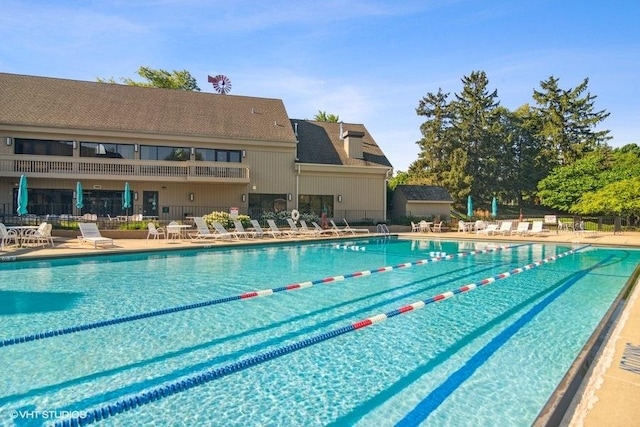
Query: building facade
(182, 153)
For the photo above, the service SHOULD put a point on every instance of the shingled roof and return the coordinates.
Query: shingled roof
(319, 142)
(82, 105)
(431, 193)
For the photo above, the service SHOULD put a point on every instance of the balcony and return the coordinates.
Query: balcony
(122, 169)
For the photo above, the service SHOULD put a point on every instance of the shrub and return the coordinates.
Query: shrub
(225, 219)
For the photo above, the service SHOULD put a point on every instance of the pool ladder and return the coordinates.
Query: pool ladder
(383, 229)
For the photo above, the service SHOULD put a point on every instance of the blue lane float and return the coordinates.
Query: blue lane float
(247, 295)
(132, 402)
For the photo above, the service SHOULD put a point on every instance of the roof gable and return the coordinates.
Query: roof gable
(320, 142)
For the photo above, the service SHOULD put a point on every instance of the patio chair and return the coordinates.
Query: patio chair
(174, 231)
(40, 236)
(414, 227)
(203, 231)
(275, 231)
(257, 228)
(505, 227)
(6, 236)
(490, 229)
(319, 229)
(91, 234)
(354, 230)
(295, 231)
(241, 232)
(521, 229)
(437, 228)
(228, 235)
(537, 229)
(155, 232)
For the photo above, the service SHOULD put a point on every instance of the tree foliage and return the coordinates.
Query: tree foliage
(473, 146)
(182, 80)
(603, 182)
(322, 116)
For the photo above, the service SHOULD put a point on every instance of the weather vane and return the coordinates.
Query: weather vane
(221, 84)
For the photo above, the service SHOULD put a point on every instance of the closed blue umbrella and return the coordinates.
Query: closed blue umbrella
(494, 207)
(126, 196)
(79, 198)
(23, 196)
(469, 206)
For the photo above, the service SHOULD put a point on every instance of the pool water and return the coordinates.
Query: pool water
(293, 357)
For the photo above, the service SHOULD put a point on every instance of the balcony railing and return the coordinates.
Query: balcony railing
(118, 169)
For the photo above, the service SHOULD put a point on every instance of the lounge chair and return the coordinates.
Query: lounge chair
(295, 231)
(203, 231)
(275, 231)
(229, 235)
(91, 234)
(505, 227)
(241, 232)
(521, 229)
(155, 232)
(354, 230)
(489, 229)
(319, 229)
(257, 228)
(537, 228)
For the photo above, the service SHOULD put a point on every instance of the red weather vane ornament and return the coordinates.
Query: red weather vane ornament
(221, 83)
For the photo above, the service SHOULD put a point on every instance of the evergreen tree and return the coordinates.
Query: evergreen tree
(568, 121)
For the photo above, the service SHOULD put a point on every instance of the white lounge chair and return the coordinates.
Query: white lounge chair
(537, 228)
(257, 228)
(91, 234)
(241, 232)
(521, 229)
(489, 229)
(203, 231)
(354, 230)
(295, 231)
(505, 227)
(228, 235)
(319, 229)
(275, 231)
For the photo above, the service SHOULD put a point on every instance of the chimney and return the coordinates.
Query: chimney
(353, 143)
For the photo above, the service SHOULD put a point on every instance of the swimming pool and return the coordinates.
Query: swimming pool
(181, 338)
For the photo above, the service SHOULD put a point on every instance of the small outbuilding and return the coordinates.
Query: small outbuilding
(424, 201)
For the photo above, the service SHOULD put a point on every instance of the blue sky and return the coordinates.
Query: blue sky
(369, 62)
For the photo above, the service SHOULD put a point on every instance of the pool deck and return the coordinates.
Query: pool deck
(609, 394)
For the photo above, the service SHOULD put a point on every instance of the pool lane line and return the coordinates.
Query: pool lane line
(246, 295)
(90, 416)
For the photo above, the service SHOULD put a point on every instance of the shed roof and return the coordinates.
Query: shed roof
(424, 193)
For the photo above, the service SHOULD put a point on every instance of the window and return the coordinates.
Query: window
(210, 155)
(108, 150)
(43, 147)
(155, 152)
(316, 204)
(262, 203)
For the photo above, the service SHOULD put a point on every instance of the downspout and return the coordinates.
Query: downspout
(297, 183)
(384, 208)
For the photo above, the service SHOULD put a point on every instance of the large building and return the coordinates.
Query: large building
(182, 153)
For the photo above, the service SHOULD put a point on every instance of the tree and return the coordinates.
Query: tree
(322, 116)
(586, 186)
(182, 80)
(568, 121)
